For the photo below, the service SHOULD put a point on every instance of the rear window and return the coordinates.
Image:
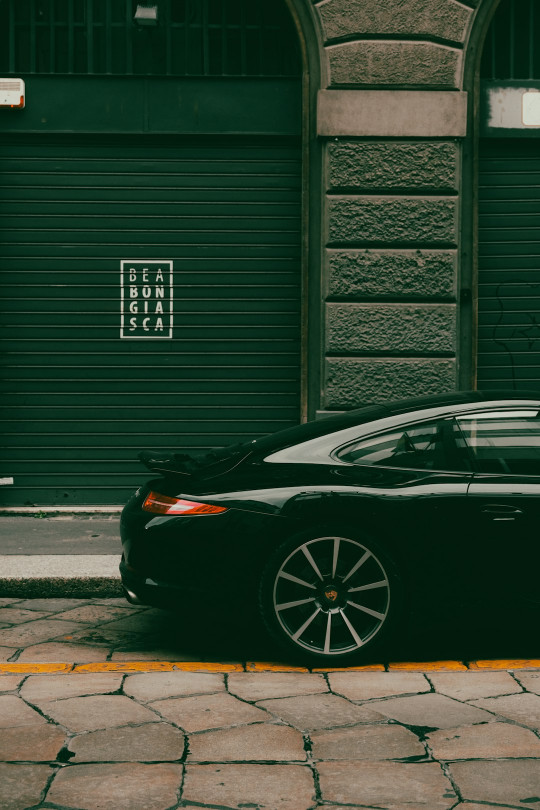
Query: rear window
(427, 445)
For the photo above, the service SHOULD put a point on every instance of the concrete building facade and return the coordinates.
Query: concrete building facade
(389, 121)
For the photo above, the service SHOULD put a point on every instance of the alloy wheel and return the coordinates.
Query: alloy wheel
(331, 596)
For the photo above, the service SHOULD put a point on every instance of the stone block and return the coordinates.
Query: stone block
(63, 652)
(432, 710)
(39, 688)
(152, 742)
(92, 713)
(8, 683)
(366, 743)
(391, 328)
(390, 113)
(524, 708)
(389, 63)
(256, 743)
(529, 680)
(487, 741)
(13, 615)
(387, 785)
(287, 787)
(352, 382)
(396, 273)
(7, 652)
(94, 614)
(473, 685)
(32, 632)
(391, 220)
(208, 712)
(22, 786)
(133, 786)
(367, 166)
(31, 744)
(259, 685)
(369, 685)
(320, 711)
(443, 19)
(156, 685)
(514, 782)
(15, 712)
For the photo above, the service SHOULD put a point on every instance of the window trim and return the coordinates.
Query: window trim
(405, 427)
(501, 413)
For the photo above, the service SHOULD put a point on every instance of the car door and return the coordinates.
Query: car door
(416, 479)
(504, 499)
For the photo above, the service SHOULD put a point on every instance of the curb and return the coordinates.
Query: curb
(60, 575)
(260, 667)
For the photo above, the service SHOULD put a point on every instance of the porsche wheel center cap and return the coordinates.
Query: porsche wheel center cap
(332, 596)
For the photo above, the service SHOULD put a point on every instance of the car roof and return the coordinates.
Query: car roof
(369, 413)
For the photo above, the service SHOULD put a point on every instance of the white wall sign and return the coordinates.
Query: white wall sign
(146, 288)
(530, 109)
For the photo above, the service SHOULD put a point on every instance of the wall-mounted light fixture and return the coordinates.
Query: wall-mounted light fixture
(146, 14)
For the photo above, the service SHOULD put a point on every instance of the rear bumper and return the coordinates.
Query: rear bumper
(141, 590)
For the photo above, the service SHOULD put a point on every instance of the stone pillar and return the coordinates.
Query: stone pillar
(392, 120)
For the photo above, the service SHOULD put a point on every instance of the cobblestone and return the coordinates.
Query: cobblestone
(153, 742)
(431, 710)
(524, 708)
(388, 785)
(105, 730)
(375, 685)
(474, 685)
(319, 711)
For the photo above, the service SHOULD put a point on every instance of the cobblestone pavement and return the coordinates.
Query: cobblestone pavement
(96, 711)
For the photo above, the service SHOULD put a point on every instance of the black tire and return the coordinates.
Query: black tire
(308, 596)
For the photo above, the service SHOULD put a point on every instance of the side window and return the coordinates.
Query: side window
(503, 441)
(425, 446)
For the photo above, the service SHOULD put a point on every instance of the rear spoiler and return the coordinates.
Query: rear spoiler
(168, 462)
(214, 462)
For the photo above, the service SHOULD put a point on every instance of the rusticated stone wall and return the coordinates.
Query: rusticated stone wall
(391, 230)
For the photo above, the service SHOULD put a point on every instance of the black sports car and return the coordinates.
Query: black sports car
(334, 528)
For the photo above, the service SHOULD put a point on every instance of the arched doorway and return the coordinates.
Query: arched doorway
(509, 200)
(151, 236)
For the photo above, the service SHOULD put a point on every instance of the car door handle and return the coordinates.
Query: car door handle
(501, 512)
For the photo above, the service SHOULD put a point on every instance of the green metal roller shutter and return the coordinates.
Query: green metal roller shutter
(509, 265)
(78, 402)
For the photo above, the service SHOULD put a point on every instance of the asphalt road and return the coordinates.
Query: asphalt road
(59, 534)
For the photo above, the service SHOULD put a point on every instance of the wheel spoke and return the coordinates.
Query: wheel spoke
(298, 602)
(367, 610)
(360, 562)
(311, 561)
(336, 555)
(328, 633)
(382, 584)
(295, 579)
(305, 625)
(352, 631)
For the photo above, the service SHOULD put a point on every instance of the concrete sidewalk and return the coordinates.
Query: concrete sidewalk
(60, 553)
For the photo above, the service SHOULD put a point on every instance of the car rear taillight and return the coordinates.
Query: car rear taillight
(165, 505)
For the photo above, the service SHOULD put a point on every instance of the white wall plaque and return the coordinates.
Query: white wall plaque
(146, 288)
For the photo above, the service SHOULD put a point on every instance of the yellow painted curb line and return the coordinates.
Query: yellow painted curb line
(519, 663)
(367, 668)
(261, 666)
(427, 666)
(158, 666)
(24, 669)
